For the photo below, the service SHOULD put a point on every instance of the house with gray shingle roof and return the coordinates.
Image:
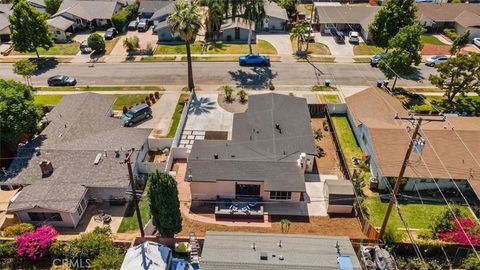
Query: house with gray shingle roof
(276, 17)
(5, 10)
(77, 158)
(266, 159)
(264, 251)
(86, 13)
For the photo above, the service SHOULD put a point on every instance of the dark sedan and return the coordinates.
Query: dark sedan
(61, 80)
(110, 33)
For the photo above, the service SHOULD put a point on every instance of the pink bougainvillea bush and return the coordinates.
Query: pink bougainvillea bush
(469, 235)
(35, 245)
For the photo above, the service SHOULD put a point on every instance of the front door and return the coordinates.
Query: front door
(237, 33)
(244, 190)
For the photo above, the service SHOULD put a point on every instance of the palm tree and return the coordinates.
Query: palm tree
(216, 11)
(186, 21)
(253, 12)
(298, 33)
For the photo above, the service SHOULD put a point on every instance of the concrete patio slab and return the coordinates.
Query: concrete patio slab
(205, 114)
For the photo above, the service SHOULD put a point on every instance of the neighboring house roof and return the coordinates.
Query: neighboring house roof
(88, 10)
(79, 129)
(258, 150)
(163, 12)
(376, 110)
(450, 12)
(64, 197)
(234, 23)
(148, 255)
(346, 14)
(151, 6)
(160, 26)
(272, 9)
(60, 23)
(227, 250)
(5, 10)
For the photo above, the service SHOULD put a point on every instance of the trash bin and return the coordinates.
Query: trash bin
(385, 83)
(327, 83)
(379, 83)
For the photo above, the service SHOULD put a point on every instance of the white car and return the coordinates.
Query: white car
(476, 41)
(435, 60)
(309, 36)
(353, 37)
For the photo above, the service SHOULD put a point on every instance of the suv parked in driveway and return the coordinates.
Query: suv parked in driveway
(84, 47)
(337, 35)
(353, 37)
(132, 26)
(137, 114)
(142, 25)
(110, 33)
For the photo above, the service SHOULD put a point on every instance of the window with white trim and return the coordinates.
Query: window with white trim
(280, 195)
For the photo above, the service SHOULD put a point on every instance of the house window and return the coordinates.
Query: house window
(247, 190)
(78, 20)
(58, 32)
(42, 216)
(79, 210)
(280, 195)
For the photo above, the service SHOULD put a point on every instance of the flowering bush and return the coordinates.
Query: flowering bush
(465, 231)
(35, 245)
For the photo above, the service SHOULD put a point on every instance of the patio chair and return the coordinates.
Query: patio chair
(233, 209)
(246, 209)
(252, 204)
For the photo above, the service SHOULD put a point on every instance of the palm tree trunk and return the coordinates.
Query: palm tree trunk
(394, 83)
(190, 70)
(36, 51)
(250, 36)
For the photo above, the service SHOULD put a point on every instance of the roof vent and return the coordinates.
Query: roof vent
(97, 159)
(263, 256)
(253, 246)
(37, 151)
(215, 156)
(277, 126)
(46, 167)
(281, 258)
(279, 243)
(117, 153)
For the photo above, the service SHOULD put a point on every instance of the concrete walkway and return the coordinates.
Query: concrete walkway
(162, 114)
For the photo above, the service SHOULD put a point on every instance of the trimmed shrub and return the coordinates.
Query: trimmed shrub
(157, 95)
(243, 96)
(89, 245)
(112, 258)
(58, 249)
(18, 229)
(472, 262)
(36, 245)
(125, 109)
(451, 33)
(465, 231)
(8, 249)
(96, 42)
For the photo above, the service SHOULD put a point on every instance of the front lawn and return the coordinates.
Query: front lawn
(218, 47)
(469, 105)
(121, 100)
(177, 115)
(102, 88)
(44, 100)
(416, 215)
(313, 48)
(348, 143)
(71, 48)
(363, 49)
(129, 221)
(429, 39)
(330, 99)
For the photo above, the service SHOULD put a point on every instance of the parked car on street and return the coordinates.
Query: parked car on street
(435, 60)
(110, 33)
(476, 41)
(254, 59)
(353, 37)
(137, 114)
(61, 80)
(132, 26)
(142, 25)
(84, 47)
(376, 58)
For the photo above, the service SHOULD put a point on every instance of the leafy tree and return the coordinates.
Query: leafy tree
(96, 42)
(472, 262)
(29, 29)
(111, 258)
(216, 11)
(459, 75)
(164, 204)
(405, 47)
(18, 113)
(289, 5)
(89, 245)
(25, 68)
(298, 33)
(52, 6)
(460, 42)
(186, 21)
(253, 13)
(394, 15)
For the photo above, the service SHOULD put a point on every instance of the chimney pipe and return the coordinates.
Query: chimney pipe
(46, 167)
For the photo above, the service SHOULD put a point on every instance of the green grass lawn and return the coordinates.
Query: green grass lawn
(212, 58)
(348, 143)
(102, 88)
(417, 216)
(71, 48)
(177, 114)
(470, 105)
(218, 47)
(44, 100)
(129, 221)
(361, 59)
(364, 49)
(157, 59)
(429, 39)
(313, 48)
(330, 99)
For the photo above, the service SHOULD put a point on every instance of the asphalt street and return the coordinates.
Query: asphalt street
(215, 73)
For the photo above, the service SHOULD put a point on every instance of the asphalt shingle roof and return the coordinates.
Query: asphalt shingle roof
(60, 23)
(258, 151)
(227, 250)
(151, 6)
(450, 12)
(88, 10)
(346, 14)
(272, 9)
(5, 10)
(164, 11)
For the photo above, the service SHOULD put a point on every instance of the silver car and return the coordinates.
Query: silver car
(435, 60)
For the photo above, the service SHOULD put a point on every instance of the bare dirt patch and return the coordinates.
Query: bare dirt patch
(327, 163)
(233, 106)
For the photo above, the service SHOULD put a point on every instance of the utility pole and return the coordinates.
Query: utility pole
(134, 193)
(393, 196)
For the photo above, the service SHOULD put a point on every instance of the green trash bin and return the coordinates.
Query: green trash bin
(327, 83)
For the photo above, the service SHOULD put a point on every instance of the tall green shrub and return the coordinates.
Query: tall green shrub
(18, 229)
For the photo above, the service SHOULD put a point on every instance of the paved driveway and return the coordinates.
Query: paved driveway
(144, 37)
(281, 42)
(206, 115)
(162, 114)
(338, 50)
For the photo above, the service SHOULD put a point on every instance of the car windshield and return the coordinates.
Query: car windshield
(110, 31)
(129, 114)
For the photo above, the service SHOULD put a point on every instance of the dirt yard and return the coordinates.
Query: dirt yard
(328, 162)
(234, 106)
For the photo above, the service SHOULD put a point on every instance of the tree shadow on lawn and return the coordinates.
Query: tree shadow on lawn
(44, 64)
(258, 79)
